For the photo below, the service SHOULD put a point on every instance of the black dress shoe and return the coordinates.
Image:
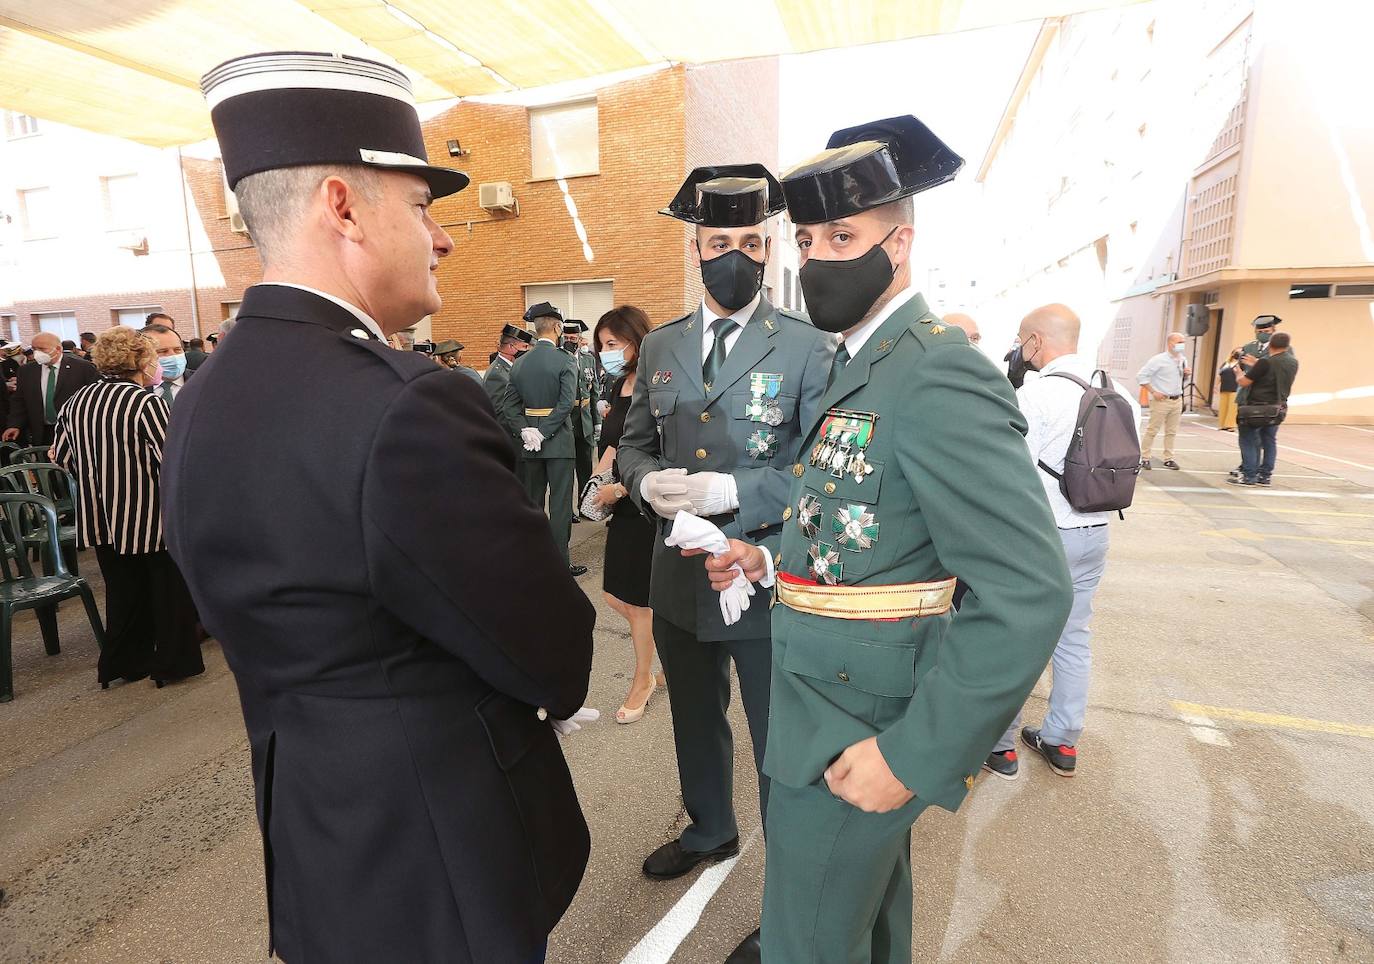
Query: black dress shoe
(576, 519)
(671, 860)
(748, 951)
(576, 571)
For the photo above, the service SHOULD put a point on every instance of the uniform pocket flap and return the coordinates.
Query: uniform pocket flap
(880, 669)
(824, 484)
(662, 401)
(512, 727)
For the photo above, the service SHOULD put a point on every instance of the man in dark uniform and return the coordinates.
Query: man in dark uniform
(538, 404)
(412, 796)
(585, 416)
(713, 429)
(914, 470)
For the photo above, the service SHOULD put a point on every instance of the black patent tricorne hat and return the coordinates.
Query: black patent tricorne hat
(727, 196)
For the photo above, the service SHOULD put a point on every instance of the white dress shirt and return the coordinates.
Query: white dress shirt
(1050, 406)
(46, 372)
(741, 317)
(855, 340)
(368, 321)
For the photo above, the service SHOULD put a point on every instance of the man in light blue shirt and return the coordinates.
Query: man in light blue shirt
(1163, 377)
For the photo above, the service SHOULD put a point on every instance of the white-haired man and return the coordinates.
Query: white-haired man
(412, 797)
(1163, 378)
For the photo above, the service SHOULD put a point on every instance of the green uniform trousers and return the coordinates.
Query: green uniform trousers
(552, 479)
(698, 674)
(838, 885)
(582, 447)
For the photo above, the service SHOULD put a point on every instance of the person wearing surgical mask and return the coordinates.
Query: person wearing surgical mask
(43, 387)
(1163, 378)
(629, 533)
(171, 361)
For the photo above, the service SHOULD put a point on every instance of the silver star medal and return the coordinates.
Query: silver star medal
(808, 511)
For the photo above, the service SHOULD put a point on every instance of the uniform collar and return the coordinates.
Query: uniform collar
(856, 340)
(367, 320)
(740, 317)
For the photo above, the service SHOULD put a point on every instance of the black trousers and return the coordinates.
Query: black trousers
(150, 619)
(582, 459)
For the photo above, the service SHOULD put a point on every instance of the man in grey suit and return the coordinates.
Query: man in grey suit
(714, 429)
(537, 403)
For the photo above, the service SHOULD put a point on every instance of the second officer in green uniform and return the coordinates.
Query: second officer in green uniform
(915, 470)
(585, 417)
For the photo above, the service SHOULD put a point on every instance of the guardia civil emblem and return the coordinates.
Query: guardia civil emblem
(825, 563)
(808, 514)
(855, 528)
(761, 445)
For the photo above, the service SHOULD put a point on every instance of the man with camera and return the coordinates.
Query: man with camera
(1267, 384)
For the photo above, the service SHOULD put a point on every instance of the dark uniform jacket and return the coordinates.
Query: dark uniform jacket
(673, 422)
(543, 380)
(26, 404)
(413, 806)
(585, 417)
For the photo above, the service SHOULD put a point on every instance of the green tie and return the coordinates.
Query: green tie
(167, 393)
(841, 359)
(721, 327)
(50, 397)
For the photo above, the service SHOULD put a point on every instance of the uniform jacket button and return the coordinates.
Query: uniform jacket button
(798, 469)
(786, 513)
(706, 416)
(702, 453)
(657, 413)
(843, 677)
(830, 488)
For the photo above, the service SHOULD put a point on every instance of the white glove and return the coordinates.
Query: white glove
(603, 407)
(666, 492)
(532, 438)
(712, 493)
(574, 723)
(689, 532)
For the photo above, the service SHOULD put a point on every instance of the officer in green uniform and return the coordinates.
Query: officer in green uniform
(915, 470)
(538, 402)
(515, 341)
(713, 428)
(585, 417)
(1256, 348)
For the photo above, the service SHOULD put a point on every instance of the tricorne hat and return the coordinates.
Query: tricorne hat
(867, 166)
(448, 346)
(574, 326)
(727, 196)
(1267, 321)
(290, 109)
(513, 331)
(542, 310)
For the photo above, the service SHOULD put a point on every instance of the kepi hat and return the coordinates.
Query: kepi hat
(289, 109)
(867, 166)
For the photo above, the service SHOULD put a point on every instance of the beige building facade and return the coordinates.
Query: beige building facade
(1210, 153)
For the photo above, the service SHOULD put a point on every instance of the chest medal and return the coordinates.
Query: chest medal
(844, 436)
(763, 403)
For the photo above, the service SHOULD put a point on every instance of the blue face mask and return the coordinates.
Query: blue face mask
(173, 367)
(613, 362)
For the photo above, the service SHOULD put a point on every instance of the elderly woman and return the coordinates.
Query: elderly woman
(109, 435)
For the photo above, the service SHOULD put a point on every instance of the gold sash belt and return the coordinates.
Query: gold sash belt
(905, 601)
(538, 412)
(581, 402)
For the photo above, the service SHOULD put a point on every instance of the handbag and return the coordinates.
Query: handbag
(1260, 416)
(590, 507)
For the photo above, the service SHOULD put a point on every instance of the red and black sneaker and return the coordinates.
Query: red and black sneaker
(1002, 763)
(1063, 760)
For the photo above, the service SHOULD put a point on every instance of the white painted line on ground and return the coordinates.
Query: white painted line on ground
(1356, 428)
(1204, 729)
(1248, 490)
(661, 943)
(1284, 475)
(1329, 458)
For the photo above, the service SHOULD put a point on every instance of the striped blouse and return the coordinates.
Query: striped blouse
(109, 435)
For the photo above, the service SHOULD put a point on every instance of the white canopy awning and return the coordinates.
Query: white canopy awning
(132, 67)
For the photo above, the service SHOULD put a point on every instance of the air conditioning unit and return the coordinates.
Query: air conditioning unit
(237, 223)
(496, 196)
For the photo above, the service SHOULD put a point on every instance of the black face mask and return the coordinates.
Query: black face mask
(732, 279)
(839, 293)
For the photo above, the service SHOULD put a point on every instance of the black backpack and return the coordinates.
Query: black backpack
(1103, 460)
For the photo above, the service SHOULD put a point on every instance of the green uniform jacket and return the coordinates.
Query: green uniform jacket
(585, 417)
(543, 377)
(495, 381)
(952, 492)
(673, 422)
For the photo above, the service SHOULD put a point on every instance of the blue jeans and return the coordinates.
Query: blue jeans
(1258, 451)
(1086, 551)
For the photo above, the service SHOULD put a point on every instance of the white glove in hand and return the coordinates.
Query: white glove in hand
(532, 438)
(666, 492)
(712, 493)
(689, 532)
(574, 723)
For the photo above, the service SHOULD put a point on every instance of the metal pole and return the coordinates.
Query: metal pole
(190, 254)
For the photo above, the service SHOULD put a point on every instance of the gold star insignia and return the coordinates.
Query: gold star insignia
(937, 329)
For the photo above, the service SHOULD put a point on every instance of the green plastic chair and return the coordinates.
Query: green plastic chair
(21, 587)
(55, 484)
(33, 453)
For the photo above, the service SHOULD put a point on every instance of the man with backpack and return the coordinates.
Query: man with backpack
(1083, 435)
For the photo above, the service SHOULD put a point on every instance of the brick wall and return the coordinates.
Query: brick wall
(641, 148)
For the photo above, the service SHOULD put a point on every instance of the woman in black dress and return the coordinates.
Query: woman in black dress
(629, 535)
